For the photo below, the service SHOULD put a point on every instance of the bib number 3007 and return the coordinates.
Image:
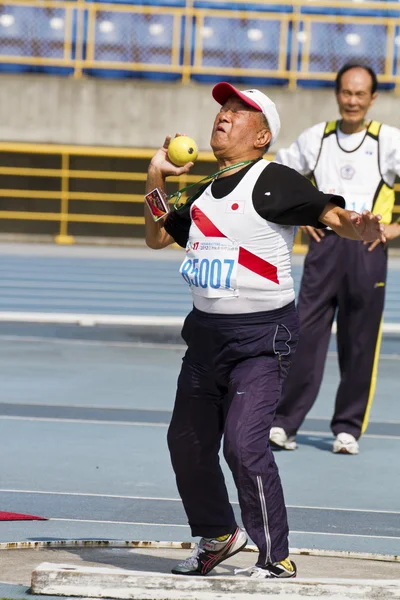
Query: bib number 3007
(206, 273)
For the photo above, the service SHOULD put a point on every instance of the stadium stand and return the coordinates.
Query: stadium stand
(259, 42)
(301, 42)
(35, 37)
(361, 42)
(68, 191)
(51, 35)
(114, 42)
(15, 39)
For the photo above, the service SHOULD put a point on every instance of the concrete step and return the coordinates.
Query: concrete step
(100, 582)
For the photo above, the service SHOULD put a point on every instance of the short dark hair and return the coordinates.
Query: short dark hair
(349, 66)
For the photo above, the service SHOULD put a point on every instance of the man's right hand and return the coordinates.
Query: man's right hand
(161, 163)
(315, 234)
(160, 167)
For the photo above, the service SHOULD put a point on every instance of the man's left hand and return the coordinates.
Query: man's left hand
(368, 226)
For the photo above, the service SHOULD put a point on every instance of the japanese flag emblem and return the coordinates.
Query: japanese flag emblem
(234, 207)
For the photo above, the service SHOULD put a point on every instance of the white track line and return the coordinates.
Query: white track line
(89, 320)
(154, 410)
(88, 421)
(50, 340)
(309, 417)
(94, 407)
(322, 434)
(91, 495)
(119, 522)
(378, 537)
(150, 345)
(145, 345)
(394, 356)
(163, 499)
(353, 535)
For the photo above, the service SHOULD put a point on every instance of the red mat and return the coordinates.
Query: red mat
(9, 516)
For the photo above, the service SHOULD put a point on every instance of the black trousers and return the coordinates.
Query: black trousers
(230, 384)
(340, 276)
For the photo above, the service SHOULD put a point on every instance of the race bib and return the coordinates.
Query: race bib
(210, 267)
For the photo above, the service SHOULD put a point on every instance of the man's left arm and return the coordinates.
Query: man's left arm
(352, 225)
(283, 196)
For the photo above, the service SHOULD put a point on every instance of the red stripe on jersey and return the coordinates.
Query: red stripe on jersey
(258, 265)
(206, 226)
(246, 259)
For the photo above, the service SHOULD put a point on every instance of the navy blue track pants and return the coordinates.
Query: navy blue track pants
(230, 385)
(340, 277)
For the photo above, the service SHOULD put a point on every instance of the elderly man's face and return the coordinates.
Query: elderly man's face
(238, 129)
(355, 96)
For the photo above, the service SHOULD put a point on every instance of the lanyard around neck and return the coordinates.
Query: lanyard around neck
(178, 206)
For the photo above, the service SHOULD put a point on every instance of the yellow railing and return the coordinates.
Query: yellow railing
(285, 40)
(25, 195)
(61, 180)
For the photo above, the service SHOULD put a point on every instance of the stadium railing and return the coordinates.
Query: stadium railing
(297, 42)
(68, 192)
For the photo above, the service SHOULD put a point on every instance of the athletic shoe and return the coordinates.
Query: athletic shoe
(279, 570)
(209, 552)
(279, 439)
(345, 443)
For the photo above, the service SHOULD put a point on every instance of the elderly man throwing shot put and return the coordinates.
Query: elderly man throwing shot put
(238, 232)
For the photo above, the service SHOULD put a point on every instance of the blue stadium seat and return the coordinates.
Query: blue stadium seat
(29, 31)
(259, 42)
(49, 35)
(236, 43)
(357, 10)
(218, 42)
(334, 44)
(247, 6)
(154, 35)
(361, 43)
(123, 37)
(15, 39)
(322, 56)
(113, 43)
(218, 48)
(144, 2)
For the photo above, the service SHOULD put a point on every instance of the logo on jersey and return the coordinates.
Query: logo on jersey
(347, 172)
(235, 207)
(192, 246)
(206, 245)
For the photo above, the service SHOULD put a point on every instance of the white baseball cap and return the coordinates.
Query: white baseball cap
(223, 91)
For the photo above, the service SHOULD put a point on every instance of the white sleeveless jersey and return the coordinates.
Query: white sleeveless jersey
(354, 174)
(236, 261)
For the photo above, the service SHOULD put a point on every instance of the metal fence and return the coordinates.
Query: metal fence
(68, 191)
(73, 191)
(294, 42)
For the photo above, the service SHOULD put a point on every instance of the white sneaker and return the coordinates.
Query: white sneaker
(283, 569)
(209, 552)
(345, 443)
(280, 439)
